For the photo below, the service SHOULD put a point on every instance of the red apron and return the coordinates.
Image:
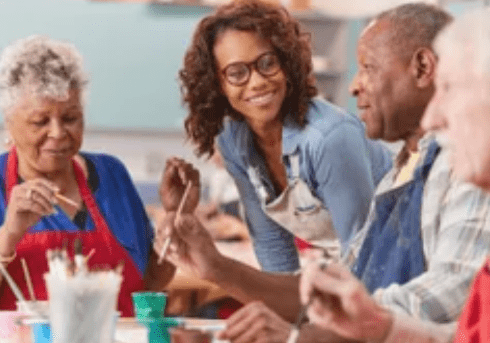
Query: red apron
(33, 246)
(474, 322)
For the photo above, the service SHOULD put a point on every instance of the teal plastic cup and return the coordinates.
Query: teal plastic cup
(149, 304)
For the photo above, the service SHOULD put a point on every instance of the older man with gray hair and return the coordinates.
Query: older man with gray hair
(460, 110)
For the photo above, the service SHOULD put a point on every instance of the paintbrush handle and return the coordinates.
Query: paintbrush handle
(163, 252)
(27, 275)
(67, 200)
(166, 244)
(183, 200)
(12, 284)
(302, 315)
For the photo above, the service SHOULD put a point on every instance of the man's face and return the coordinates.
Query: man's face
(460, 111)
(384, 87)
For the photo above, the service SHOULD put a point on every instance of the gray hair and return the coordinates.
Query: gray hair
(468, 41)
(414, 25)
(48, 67)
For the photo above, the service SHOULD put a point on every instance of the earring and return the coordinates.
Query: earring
(7, 141)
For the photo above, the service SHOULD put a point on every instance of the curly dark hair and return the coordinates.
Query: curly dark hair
(200, 80)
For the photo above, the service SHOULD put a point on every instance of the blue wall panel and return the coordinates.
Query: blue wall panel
(132, 51)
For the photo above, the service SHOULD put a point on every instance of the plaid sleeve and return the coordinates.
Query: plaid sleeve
(456, 235)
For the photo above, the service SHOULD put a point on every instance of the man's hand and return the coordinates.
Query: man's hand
(342, 304)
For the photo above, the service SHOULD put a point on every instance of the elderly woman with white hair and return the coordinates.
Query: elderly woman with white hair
(42, 90)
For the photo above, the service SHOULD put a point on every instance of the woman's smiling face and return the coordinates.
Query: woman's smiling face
(260, 99)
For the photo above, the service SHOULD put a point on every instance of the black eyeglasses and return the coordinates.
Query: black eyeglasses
(239, 73)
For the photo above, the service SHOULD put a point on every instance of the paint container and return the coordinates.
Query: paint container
(41, 329)
(82, 308)
(158, 328)
(149, 304)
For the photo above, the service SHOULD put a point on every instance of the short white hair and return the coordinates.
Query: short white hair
(467, 39)
(46, 66)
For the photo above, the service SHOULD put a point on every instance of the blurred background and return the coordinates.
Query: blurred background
(134, 49)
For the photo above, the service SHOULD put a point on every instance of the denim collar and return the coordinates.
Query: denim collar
(291, 138)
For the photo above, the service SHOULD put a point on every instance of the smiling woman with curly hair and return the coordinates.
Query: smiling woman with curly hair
(302, 165)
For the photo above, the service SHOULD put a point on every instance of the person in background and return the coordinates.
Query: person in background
(223, 194)
(460, 112)
(221, 213)
(425, 236)
(42, 95)
(300, 163)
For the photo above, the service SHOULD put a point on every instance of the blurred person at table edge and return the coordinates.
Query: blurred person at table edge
(42, 95)
(460, 111)
(303, 167)
(424, 239)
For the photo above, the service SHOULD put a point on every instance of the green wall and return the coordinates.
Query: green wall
(132, 51)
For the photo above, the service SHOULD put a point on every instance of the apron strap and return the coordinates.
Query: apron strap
(392, 251)
(294, 160)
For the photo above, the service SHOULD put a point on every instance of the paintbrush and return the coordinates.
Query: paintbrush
(302, 314)
(68, 201)
(166, 244)
(15, 289)
(27, 276)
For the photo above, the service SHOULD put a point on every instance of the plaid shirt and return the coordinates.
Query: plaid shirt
(455, 226)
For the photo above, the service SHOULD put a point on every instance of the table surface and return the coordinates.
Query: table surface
(128, 330)
(185, 283)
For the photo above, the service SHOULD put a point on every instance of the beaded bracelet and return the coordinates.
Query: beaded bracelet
(8, 259)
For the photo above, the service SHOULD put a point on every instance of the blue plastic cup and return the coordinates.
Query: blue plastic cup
(41, 329)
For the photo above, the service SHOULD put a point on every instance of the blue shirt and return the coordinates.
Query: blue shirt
(337, 162)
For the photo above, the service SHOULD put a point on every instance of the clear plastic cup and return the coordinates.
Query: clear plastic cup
(34, 308)
(82, 308)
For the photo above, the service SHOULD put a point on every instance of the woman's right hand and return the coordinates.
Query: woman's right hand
(176, 176)
(29, 201)
(191, 246)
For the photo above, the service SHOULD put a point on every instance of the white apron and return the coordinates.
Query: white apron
(299, 211)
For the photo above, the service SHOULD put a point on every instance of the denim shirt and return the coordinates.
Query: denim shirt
(337, 162)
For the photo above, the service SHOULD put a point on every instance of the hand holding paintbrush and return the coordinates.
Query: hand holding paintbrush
(176, 177)
(166, 244)
(336, 300)
(67, 201)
